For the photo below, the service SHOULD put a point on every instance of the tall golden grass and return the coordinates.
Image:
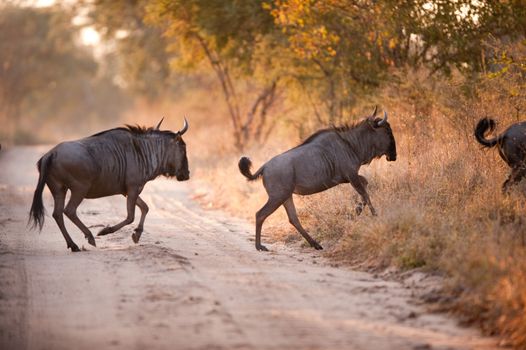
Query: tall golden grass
(440, 204)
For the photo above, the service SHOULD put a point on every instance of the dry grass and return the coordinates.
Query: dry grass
(440, 204)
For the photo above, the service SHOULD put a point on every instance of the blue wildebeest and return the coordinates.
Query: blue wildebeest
(511, 145)
(327, 158)
(116, 161)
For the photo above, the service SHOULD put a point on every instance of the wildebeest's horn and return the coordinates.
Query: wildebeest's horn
(159, 125)
(374, 112)
(185, 127)
(382, 122)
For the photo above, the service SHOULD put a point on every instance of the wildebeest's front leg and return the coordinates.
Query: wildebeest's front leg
(131, 200)
(144, 210)
(357, 182)
(361, 205)
(293, 219)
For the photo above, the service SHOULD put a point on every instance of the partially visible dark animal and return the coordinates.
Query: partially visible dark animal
(116, 161)
(327, 158)
(511, 145)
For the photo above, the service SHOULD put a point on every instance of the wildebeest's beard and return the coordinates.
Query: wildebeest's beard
(391, 153)
(177, 162)
(180, 172)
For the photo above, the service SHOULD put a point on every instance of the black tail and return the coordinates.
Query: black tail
(244, 167)
(36, 214)
(482, 127)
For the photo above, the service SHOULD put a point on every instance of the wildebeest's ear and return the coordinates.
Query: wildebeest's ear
(159, 125)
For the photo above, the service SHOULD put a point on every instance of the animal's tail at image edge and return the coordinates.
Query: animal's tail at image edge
(482, 127)
(36, 214)
(244, 167)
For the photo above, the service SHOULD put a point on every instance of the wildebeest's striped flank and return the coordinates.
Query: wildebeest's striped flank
(116, 161)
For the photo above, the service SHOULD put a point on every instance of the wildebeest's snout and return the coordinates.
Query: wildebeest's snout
(391, 157)
(391, 154)
(183, 176)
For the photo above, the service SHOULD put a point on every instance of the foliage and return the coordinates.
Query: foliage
(44, 74)
(330, 53)
(33, 47)
(231, 37)
(143, 63)
(346, 49)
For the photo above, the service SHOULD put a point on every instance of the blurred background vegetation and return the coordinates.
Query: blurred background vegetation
(257, 76)
(323, 57)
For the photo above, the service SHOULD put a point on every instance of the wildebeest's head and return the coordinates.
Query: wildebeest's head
(384, 138)
(177, 162)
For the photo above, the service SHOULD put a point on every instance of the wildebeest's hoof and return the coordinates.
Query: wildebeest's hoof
(317, 246)
(105, 231)
(261, 248)
(74, 247)
(358, 209)
(136, 236)
(91, 240)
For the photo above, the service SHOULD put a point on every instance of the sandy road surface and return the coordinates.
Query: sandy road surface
(194, 281)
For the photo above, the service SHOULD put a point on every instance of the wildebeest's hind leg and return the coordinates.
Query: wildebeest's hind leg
(269, 207)
(144, 210)
(131, 200)
(293, 219)
(71, 212)
(356, 182)
(59, 196)
(516, 176)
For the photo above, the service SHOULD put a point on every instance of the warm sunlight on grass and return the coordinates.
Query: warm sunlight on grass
(440, 207)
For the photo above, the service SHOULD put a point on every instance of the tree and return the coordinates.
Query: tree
(45, 75)
(336, 47)
(143, 63)
(231, 37)
(344, 49)
(37, 52)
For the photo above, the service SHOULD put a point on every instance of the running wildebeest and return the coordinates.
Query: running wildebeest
(115, 161)
(511, 145)
(327, 158)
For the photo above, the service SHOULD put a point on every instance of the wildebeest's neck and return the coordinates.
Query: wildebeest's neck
(152, 155)
(128, 156)
(360, 141)
(357, 141)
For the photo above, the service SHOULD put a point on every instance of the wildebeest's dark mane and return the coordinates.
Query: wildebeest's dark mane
(138, 130)
(338, 129)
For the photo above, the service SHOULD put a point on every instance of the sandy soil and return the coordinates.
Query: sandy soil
(194, 281)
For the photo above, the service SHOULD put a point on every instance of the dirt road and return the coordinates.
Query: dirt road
(194, 281)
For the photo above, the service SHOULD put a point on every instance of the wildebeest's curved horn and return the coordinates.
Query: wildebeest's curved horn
(382, 122)
(185, 127)
(159, 125)
(374, 112)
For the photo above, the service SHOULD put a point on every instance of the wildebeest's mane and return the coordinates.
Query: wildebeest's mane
(138, 130)
(338, 129)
